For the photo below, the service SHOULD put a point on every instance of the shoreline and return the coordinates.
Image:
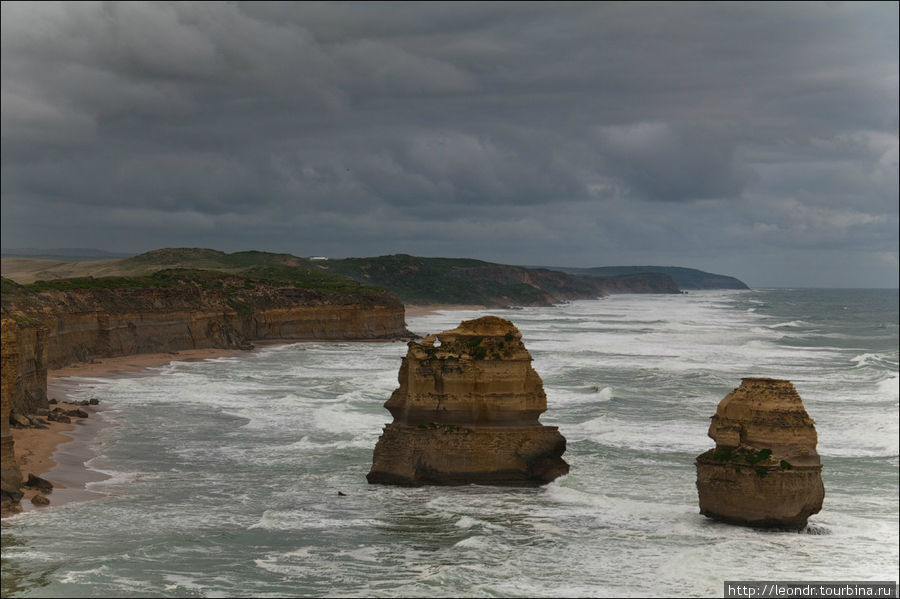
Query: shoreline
(425, 310)
(60, 452)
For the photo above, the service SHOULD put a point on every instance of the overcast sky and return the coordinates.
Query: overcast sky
(756, 140)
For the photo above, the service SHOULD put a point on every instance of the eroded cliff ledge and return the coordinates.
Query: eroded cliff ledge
(467, 412)
(764, 471)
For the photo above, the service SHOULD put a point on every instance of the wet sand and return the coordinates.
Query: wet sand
(130, 365)
(59, 454)
(433, 308)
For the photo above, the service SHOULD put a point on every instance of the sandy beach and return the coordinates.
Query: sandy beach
(59, 452)
(431, 309)
(122, 365)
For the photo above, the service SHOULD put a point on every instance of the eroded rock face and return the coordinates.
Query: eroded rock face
(764, 471)
(467, 412)
(10, 475)
(82, 324)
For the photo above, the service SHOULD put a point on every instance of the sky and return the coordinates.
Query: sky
(757, 140)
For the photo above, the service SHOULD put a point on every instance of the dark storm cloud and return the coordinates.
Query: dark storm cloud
(540, 133)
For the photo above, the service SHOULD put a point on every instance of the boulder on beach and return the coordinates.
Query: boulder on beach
(764, 471)
(41, 484)
(467, 412)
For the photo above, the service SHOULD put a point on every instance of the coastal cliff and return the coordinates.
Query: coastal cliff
(466, 411)
(10, 475)
(81, 324)
(765, 471)
(78, 321)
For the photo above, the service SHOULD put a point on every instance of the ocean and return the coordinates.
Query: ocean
(225, 473)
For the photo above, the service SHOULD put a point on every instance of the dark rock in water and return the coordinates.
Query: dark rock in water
(53, 402)
(84, 402)
(94, 401)
(813, 529)
(39, 500)
(77, 413)
(340, 494)
(467, 412)
(41, 484)
(765, 471)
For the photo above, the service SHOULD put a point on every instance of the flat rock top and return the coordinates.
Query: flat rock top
(486, 326)
(761, 394)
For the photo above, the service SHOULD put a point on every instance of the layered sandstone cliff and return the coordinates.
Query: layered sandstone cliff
(53, 328)
(764, 471)
(83, 324)
(10, 475)
(467, 412)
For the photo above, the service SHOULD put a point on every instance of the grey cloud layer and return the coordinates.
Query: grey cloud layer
(559, 133)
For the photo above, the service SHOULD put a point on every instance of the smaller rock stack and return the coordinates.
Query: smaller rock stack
(467, 412)
(764, 471)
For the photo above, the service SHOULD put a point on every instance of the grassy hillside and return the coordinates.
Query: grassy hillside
(415, 280)
(251, 278)
(418, 280)
(202, 258)
(686, 278)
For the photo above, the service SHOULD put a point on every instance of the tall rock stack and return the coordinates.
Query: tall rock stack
(764, 471)
(467, 412)
(10, 475)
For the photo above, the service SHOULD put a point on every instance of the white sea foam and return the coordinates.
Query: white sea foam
(665, 436)
(604, 394)
(477, 543)
(791, 324)
(890, 386)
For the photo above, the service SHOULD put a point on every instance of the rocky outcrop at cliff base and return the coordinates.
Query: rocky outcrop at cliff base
(467, 412)
(764, 470)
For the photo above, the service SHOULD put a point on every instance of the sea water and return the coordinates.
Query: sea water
(226, 473)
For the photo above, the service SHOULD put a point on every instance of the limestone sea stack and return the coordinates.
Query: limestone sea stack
(467, 412)
(764, 471)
